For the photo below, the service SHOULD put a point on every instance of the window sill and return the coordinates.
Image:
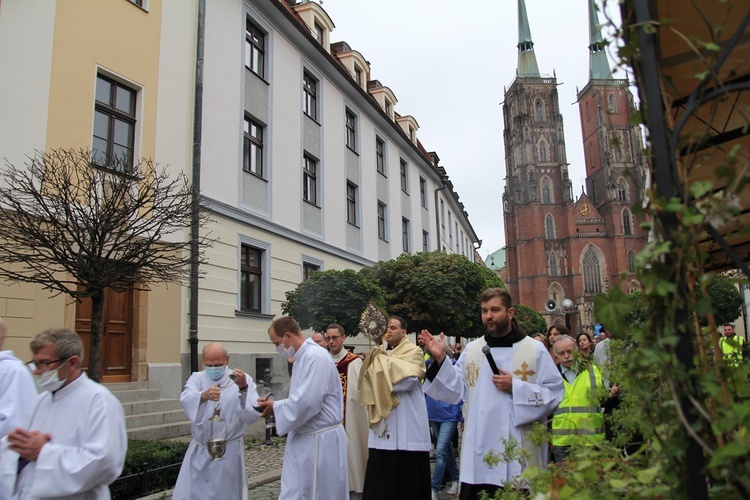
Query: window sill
(251, 314)
(258, 76)
(353, 224)
(352, 150)
(260, 177)
(314, 120)
(383, 174)
(311, 203)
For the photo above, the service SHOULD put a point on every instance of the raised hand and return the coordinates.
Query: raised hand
(434, 346)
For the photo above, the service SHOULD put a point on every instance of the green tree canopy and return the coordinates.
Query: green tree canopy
(434, 291)
(726, 300)
(529, 320)
(331, 297)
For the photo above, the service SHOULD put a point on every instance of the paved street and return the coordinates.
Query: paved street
(263, 463)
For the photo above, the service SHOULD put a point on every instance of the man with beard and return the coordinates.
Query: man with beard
(499, 409)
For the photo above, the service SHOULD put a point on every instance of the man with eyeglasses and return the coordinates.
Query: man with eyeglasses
(17, 390)
(73, 442)
(355, 415)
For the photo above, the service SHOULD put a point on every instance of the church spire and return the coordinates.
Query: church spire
(526, 59)
(598, 63)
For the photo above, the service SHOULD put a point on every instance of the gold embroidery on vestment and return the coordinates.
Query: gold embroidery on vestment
(472, 372)
(524, 372)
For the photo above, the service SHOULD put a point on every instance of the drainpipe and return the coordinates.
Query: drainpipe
(195, 209)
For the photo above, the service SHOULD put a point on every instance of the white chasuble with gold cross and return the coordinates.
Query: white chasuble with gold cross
(495, 418)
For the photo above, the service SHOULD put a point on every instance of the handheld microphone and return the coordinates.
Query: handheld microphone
(490, 359)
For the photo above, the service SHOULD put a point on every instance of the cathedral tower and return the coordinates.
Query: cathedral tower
(558, 247)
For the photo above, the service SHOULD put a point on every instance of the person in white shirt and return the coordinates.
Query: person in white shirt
(73, 442)
(235, 393)
(390, 387)
(315, 455)
(17, 389)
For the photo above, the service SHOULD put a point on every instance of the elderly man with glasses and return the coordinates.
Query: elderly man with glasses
(73, 441)
(355, 415)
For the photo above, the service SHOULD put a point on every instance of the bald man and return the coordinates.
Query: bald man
(200, 476)
(17, 389)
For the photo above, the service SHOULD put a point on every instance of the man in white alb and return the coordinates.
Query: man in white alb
(17, 389)
(390, 385)
(73, 442)
(200, 476)
(315, 455)
(527, 388)
(355, 416)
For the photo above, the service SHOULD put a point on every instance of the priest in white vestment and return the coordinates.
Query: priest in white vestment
(399, 441)
(498, 409)
(17, 389)
(315, 455)
(200, 476)
(349, 366)
(72, 444)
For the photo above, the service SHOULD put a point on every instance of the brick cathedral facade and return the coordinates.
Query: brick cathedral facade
(560, 247)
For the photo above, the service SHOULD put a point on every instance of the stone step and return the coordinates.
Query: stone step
(126, 386)
(157, 405)
(132, 395)
(157, 418)
(155, 432)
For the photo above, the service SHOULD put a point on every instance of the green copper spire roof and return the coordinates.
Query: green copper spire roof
(526, 59)
(598, 63)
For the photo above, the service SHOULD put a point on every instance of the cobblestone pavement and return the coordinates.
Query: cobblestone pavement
(263, 463)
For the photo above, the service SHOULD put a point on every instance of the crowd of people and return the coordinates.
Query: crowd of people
(356, 426)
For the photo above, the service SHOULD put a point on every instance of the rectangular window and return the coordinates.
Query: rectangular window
(380, 155)
(310, 180)
(442, 215)
(381, 222)
(252, 150)
(425, 241)
(423, 191)
(404, 178)
(318, 33)
(405, 234)
(351, 203)
(358, 75)
(307, 270)
(255, 48)
(351, 130)
(310, 88)
(251, 274)
(114, 125)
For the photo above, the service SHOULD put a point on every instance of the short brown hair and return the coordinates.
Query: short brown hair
(491, 293)
(336, 326)
(401, 321)
(285, 324)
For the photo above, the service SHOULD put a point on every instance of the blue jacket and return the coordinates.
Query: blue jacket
(437, 411)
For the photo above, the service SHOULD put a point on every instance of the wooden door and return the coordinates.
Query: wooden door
(117, 334)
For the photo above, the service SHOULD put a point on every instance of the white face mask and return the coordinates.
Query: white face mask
(286, 352)
(49, 381)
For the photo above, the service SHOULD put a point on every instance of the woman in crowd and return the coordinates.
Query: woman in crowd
(553, 332)
(585, 345)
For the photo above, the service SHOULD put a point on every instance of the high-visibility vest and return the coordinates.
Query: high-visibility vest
(577, 414)
(731, 349)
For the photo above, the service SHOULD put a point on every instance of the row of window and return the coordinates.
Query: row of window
(592, 277)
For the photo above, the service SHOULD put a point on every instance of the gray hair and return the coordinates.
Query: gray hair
(211, 344)
(66, 343)
(564, 337)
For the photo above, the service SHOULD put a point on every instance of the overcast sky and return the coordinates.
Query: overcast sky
(448, 62)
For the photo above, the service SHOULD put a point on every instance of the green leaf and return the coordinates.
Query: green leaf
(647, 476)
(619, 484)
(699, 188)
(727, 453)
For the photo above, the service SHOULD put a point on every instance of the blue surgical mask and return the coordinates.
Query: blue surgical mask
(215, 372)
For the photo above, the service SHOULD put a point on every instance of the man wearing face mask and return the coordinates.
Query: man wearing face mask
(73, 442)
(311, 417)
(235, 392)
